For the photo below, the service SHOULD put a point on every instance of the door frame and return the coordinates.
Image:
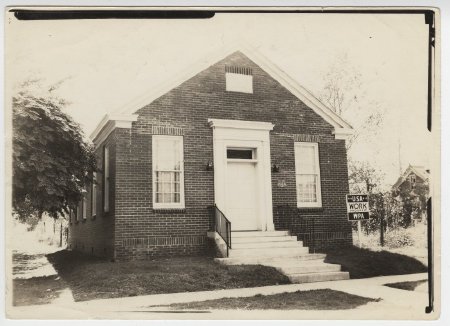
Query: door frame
(246, 134)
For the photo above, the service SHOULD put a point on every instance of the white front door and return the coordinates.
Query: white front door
(242, 196)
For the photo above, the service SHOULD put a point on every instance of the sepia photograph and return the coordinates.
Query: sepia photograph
(222, 163)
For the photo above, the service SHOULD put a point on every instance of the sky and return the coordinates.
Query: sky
(107, 63)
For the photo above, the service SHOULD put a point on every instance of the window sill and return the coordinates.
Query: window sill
(169, 210)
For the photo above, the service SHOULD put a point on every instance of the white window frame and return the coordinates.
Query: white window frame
(94, 195)
(84, 208)
(317, 168)
(181, 204)
(106, 181)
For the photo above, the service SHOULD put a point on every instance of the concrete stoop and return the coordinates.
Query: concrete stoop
(282, 251)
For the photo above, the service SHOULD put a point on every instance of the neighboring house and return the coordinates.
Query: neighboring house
(413, 177)
(413, 188)
(235, 132)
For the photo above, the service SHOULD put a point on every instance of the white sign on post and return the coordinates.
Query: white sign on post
(358, 207)
(358, 210)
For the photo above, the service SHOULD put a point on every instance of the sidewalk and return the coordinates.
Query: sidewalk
(395, 303)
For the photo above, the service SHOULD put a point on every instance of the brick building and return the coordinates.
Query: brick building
(236, 132)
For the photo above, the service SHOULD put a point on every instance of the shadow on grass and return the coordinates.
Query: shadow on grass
(36, 290)
(408, 286)
(323, 299)
(93, 278)
(363, 263)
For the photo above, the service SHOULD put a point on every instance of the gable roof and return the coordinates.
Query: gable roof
(342, 128)
(418, 170)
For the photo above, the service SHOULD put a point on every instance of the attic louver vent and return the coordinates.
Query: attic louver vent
(239, 79)
(239, 70)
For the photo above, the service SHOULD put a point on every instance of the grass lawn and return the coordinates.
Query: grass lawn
(36, 290)
(363, 263)
(324, 299)
(93, 278)
(409, 286)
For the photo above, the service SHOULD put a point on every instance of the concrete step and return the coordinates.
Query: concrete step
(268, 244)
(283, 252)
(308, 268)
(263, 239)
(268, 260)
(246, 234)
(269, 252)
(318, 277)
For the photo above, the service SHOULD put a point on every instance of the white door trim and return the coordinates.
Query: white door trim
(238, 133)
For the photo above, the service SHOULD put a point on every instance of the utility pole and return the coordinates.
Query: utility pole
(382, 224)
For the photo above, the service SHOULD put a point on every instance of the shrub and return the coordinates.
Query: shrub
(399, 238)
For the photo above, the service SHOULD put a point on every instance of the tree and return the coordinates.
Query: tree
(343, 93)
(392, 208)
(363, 178)
(51, 160)
(414, 202)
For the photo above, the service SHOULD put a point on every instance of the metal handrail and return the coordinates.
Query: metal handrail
(222, 226)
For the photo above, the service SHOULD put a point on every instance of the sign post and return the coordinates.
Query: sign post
(358, 210)
(359, 234)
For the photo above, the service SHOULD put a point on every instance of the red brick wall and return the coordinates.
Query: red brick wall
(319, 228)
(139, 231)
(95, 234)
(142, 232)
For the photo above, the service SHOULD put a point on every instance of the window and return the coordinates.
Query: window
(240, 153)
(168, 172)
(71, 215)
(106, 179)
(94, 195)
(412, 180)
(307, 173)
(78, 212)
(84, 207)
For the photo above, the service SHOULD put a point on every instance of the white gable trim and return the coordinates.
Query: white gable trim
(108, 124)
(342, 133)
(299, 91)
(418, 173)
